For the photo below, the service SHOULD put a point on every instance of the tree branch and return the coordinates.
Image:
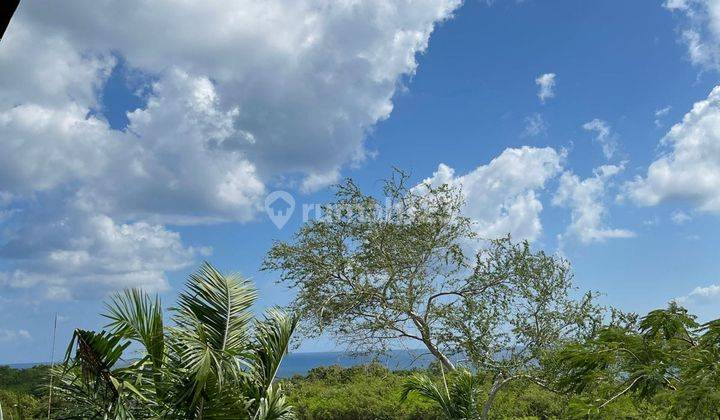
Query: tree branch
(621, 392)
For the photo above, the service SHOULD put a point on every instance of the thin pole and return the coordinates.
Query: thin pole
(52, 364)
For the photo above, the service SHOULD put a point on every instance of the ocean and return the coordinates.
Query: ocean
(301, 363)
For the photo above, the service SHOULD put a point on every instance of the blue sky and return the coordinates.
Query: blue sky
(93, 198)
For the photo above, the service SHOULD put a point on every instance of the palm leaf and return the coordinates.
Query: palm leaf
(424, 386)
(135, 315)
(272, 337)
(458, 398)
(216, 362)
(90, 378)
(213, 318)
(274, 406)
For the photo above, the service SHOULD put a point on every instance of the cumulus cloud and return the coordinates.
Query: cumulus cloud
(240, 94)
(603, 135)
(701, 30)
(689, 169)
(546, 86)
(502, 196)
(47, 68)
(309, 77)
(79, 255)
(585, 198)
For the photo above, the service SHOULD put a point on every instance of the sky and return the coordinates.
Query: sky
(138, 139)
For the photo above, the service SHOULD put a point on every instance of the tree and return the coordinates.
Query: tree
(524, 311)
(371, 276)
(216, 361)
(667, 355)
(376, 277)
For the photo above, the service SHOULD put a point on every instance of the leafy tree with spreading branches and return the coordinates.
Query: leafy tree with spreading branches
(666, 358)
(410, 270)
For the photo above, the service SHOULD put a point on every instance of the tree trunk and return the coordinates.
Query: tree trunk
(497, 385)
(425, 334)
(447, 364)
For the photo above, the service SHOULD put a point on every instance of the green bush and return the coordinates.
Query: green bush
(27, 381)
(373, 392)
(18, 405)
(356, 393)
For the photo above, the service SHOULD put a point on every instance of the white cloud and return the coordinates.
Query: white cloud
(701, 295)
(585, 200)
(316, 181)
(660, 113)
(47, 68)
(502, 196)
(243, 94)
(535, 125)
(546, 84)
(186, 162)
(701, 32)
(46, 147)
(309, 77)
(690, 167)
(680, 217)
(77, 255)
(603, 135)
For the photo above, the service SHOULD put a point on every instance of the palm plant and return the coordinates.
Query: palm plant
(457, 397)
(215, 361)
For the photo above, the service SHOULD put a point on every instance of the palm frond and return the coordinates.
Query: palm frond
(91, 380)
(462, 390)
(215, 362)
(96, 353)
(457, 400)
(272, 336)
(220, 303)
(424, 386)
(133, 314)
(274, 406)
(213, 319)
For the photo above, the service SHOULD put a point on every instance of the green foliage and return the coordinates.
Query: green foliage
(216, 361)
(25, 381)
(456, 396)
(369, 274)
(373, 392)
(666, 360)
(374, 276)
(361, 392)
(20, 405)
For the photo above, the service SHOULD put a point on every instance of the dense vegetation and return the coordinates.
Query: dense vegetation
(511, 335)
(216, 360)
(21, 392)
(373, 392)
(409, 269)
